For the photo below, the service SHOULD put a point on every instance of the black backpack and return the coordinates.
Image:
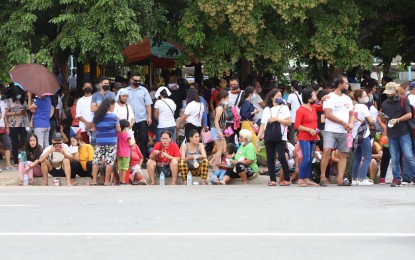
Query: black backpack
(273, 130)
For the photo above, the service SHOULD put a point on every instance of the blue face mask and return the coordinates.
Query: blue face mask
(18, 96)
(279, 101)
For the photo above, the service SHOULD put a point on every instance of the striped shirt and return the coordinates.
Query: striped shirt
(106, 133)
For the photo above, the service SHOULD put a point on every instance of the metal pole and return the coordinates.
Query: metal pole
(409, 73)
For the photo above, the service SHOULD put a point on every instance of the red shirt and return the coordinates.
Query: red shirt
(136, 155)
(75, 121)
(309, 119)
(172, 150)
(213, 97)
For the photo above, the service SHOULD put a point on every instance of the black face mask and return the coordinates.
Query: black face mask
(345, 91)
(136, 84)
(106, 87)
(122, 102)
(87, 90)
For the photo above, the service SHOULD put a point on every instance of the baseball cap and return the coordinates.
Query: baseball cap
(123, 92)
(57, 136)
(412, 85)
(391, 88)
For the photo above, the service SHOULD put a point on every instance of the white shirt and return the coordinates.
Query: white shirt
(373, 112)
(121, 112)
(295, 104)
(166, 108)
(340, 107)
(72, 81)
(282, 112)
(56, 158)
(255, 101)
(194, 111)
(83, 109)
(411, 99)
(232, 101)
(3, 113)
(362, 112)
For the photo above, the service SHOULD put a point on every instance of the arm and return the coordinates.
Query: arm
(262, 104)
(45, 155)
(329, 115)
(285, 122)
(202, 151)
(94, 107)
(218, 113)
(76, 156)
(211, 104)
(156, 114)
(65, 138)
(118, 128)
(181, 120)
(148, 108)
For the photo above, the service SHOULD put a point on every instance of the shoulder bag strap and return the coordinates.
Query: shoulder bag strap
(237, 98)
(298, 99)
(168, 106)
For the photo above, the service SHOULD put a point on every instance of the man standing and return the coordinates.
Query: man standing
(140, 101)
(85, 116)
(398, 112)
(104, 93)
(338, 109)
(294, 102)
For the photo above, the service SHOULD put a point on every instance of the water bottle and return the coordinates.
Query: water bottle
(349, 140)
(162, 179)
(25, 179)
(23, 157)
(189, 178)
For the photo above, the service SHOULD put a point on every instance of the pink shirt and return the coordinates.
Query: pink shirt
(123, 148)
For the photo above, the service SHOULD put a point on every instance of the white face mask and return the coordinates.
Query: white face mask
(407, 92)
(225, 103)
(243, 143)
(364, 100)
(254, 96)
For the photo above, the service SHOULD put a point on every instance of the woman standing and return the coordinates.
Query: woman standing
(192, 114)
(164, 109)
(122, 109)
(220, 124)
(106, 126)
(193, 158)
(4, 134)
(306, 123)
(16, 112)
(248, 112)
(278, 113)
(361, 135)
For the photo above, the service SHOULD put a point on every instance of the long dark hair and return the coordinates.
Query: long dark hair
(37, 150)
(16, 91)
(268, 98)
(192, 95)
(103, 110)
(248, 91)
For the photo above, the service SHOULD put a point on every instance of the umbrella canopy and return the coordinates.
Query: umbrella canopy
(161, 54)
(35, 78)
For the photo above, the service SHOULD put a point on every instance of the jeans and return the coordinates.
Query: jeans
(406, 169)
(141, 138)
(403, 143)
(171, 129)
(272, 149)
(384, 162)
(360, 166)
(305, 166)
(42, 136)
(18, 138)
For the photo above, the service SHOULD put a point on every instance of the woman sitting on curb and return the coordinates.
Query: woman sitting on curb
(32, 166)
(193, 158)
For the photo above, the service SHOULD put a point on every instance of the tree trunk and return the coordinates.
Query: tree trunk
(198, 73)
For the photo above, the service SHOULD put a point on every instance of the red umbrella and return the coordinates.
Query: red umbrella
(35, 78)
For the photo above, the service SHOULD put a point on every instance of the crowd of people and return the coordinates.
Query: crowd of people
(304, 135)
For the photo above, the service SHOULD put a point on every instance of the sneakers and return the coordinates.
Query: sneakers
(365, 182)
(354, 182)
(382, 181)
(406, 182)
(396, 183)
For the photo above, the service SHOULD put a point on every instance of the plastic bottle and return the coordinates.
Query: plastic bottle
(349, 140)
(189, 178)
(25, 179)
(23, 157)
(162, 179)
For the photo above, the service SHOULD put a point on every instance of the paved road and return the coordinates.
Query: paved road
(207, 222)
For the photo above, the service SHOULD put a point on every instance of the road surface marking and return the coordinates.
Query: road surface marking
(16, 205)
(212, 234)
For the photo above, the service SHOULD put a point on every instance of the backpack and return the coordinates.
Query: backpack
(273, 130)
(229, 112)
(410, 122)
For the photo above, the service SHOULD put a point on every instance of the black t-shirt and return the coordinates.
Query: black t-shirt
(178, 96)
(393, 109)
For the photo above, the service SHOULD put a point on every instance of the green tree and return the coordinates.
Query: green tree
(92, 30)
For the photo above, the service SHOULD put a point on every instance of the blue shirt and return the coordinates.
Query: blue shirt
(106, 133)
(41, 117)
(97, 97)
(204, 112)
(139, 98)
(246, 109)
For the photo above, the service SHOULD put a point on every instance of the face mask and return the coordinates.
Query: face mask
(225, 103)
(136, 83)
(122, 101)
(106, 87)
(364, 100)
(371, 98)
(279, 101)
(243, 143)
(87, 90)
(254, 96)
(344, 91)
(235, 88)
(18, 96)
(392, 97)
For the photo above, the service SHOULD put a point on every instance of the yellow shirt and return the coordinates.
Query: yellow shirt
(86, 153)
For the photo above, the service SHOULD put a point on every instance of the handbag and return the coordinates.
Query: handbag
(206, 136)
(273, 130)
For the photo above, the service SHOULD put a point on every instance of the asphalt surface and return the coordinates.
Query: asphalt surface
(207, 222)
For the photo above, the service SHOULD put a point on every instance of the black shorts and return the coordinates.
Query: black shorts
(57, 172)
(240, 167)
